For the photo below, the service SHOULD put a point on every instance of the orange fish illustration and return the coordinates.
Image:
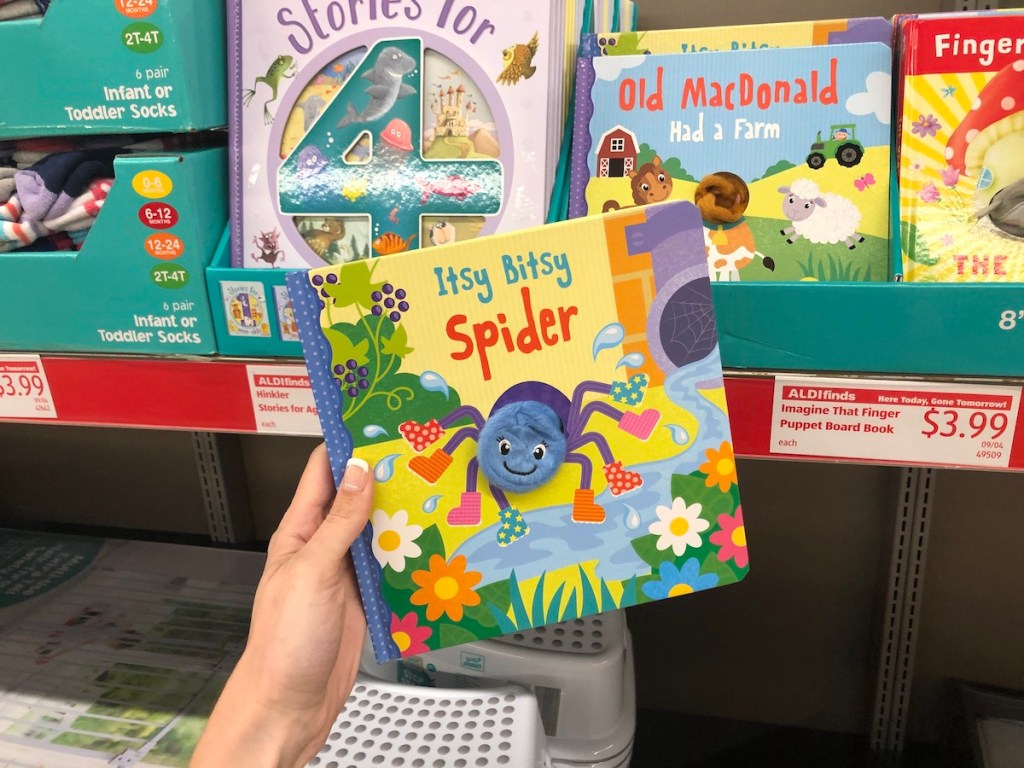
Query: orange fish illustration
(390, 243)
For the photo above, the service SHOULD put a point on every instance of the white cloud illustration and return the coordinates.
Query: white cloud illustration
(875, 100)
(610, 67)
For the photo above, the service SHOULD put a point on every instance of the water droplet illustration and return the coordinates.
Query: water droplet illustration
(679, 435)
(432, 382)
(431, 504)
(385, 468)
(373, 430)
(631, 518)
(609, 336)
(634, 360)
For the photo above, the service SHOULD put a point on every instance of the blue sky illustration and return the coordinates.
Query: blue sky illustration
(863, 80)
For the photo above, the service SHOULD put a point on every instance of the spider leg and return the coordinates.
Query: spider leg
(590, 409)
(512, 526)
(465, 411)
(468, 513)
(463, 434)
(586, 468)
(639, 425)
(576, 424)
(584, 509)
(599, 442)
(619, 480)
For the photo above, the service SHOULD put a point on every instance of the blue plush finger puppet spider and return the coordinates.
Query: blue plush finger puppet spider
(532, 430)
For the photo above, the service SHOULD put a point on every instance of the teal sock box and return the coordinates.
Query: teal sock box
(138, 284)
(114, 66)
(252, 314)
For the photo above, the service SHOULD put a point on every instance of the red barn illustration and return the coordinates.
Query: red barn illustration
(616, 155)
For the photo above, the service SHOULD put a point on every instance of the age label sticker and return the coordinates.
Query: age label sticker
(158, 215)
(153, 184)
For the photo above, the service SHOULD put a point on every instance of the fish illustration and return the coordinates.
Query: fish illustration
(392, 65)
(454, 186)
(390, 243)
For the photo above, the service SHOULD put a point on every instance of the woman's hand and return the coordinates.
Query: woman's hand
(307, 630)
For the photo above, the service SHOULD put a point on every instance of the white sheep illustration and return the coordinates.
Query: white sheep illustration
(823, 218)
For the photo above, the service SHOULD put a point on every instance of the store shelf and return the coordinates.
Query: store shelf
(260, 396)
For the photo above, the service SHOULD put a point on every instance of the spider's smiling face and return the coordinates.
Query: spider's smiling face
(521, 446)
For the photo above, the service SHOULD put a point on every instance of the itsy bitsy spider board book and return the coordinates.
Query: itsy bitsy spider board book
(371, 128)
(545, 417)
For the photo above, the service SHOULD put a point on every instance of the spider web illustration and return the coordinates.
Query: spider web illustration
(688, 331)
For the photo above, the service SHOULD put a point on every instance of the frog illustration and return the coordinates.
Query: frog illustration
(283, 66)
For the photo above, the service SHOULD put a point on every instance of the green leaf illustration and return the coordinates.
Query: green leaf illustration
(711, 564)
(453, 635)
(915, 246)
(354, 287)
(692, 489)
(647, 548)
(398, 343)
(343, 346)
(496, 593)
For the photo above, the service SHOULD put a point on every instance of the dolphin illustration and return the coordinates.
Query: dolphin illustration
(392, 65)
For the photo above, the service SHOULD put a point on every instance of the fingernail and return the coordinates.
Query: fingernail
(355, 475)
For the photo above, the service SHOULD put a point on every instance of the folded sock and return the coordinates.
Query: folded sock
(22, 233)
(58, 241)
(6, 189)
(84, 209)
(48, 188)
(19, 9)
(10, 209)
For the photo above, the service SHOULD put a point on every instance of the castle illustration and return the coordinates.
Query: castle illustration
(452, 115)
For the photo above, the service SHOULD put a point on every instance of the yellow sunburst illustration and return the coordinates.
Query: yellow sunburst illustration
(947, 241)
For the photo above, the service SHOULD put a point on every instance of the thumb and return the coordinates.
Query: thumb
(348, 514)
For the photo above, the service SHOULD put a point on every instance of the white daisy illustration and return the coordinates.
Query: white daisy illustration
(394, 539)
(679, 526)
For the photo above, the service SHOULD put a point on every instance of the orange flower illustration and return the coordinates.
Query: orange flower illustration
(720, 467)
(446, 587)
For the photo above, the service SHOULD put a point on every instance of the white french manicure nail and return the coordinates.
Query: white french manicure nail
(356, 472)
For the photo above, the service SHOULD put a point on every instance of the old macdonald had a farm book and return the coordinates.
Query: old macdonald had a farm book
(366, 129)
(545, 417)
(961, 141)
(788, 34)
(785, 151)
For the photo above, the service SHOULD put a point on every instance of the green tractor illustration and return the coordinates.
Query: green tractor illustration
(842, 144)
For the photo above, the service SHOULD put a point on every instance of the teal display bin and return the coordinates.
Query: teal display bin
(114, 66)
(251, 312)
(930, 329)
(138, 284)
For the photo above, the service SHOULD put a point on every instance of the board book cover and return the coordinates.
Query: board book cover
(372, 128)
(961, 148)
(785, 150)
(545, 417)
(741, 37)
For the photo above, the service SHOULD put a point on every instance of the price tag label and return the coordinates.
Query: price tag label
(282, 400)
(915, 422)
(24, 390)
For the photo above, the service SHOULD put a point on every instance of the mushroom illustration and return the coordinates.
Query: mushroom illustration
(989, 144)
